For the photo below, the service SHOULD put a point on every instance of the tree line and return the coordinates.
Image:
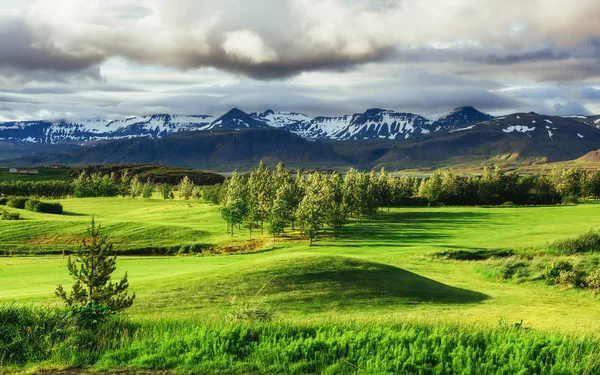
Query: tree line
(89, 185)
(381, 189)
(275, 200)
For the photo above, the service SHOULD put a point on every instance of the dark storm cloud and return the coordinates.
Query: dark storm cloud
(25, 51)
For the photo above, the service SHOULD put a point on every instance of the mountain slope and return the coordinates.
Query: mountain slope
(373, 124)
(519, 138)
(236, 119)
(208, 150)
(459, 117)
(91, 130)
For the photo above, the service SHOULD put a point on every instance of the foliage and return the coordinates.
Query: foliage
(292, 348)
(93, 276)
(17, 202)
(6, 215)
(44, 207)
(166, 191)
(474, 255)
(158, 174)
(235, 202)
(593, 280)
(53, 189)
(212, 194)
(585, 243)
(185, 188)
(96, 185)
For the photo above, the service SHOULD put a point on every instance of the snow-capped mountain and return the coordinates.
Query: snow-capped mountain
(460, 116)
(90, 130)
(375, 123)
(236, 119)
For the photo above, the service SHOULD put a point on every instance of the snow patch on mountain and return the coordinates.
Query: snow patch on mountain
(518, 128)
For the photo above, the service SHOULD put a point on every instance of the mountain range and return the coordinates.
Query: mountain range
(373, 124)
(371, 139)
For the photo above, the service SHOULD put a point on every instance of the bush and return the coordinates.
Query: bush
(475, 255)
(593, 280)
(31, 204)
(554, 270)
(44, 207)
(570, 199)
(49, 208)
(584, 243)
(190, 249)
(3, 201)
(10, 215)
(572, 278)
(16, 202)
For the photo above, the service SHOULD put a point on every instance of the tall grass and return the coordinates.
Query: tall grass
(42, 337)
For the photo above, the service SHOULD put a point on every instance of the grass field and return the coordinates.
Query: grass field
(378, 271)
(132, 224)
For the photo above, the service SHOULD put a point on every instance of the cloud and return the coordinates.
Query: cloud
(128, 57)
(273, 40)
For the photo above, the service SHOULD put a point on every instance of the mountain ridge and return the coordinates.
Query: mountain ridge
(373, 123)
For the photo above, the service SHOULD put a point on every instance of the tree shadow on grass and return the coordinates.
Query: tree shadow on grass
(325, 282)
(412, 226)
(69, 213)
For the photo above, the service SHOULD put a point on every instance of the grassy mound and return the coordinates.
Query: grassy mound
(308, 283)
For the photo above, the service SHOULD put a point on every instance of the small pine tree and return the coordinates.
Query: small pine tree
(92, 271)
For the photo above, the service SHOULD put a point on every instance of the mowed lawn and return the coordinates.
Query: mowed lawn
(131, 223)
(377, 271)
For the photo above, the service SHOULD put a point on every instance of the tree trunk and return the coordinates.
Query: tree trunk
(310, 240)
(273, 238)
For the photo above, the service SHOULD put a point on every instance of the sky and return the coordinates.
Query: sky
(65, 59)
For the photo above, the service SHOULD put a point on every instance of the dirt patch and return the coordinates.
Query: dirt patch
(56, 240)
(241, 247)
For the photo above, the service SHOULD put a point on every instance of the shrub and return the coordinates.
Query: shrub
(554, 270)
(572, 278)
(593, 280)
(584, 243)
(190, 249)
(570, 199)
(31, 204)
(16, 202)
(49, 208)
(10, 215)
(467, 255)
(44, 207)
(3, 201)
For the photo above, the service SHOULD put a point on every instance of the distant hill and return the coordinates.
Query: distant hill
(224, 150)
(518, 137)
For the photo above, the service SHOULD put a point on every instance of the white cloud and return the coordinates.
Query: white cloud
(248, 45)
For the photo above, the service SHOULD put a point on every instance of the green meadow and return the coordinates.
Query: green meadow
(373, 300)
(378, 270)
